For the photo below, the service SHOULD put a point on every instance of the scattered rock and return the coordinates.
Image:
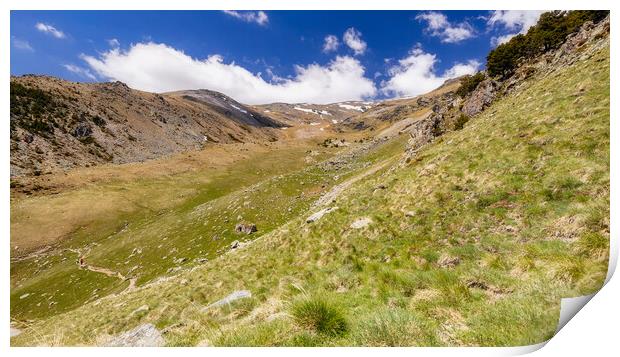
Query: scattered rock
(180, 260)
(82, 130)
(141, 309)
(142, 336)
(235, 244)
(247, 228)
(409, 214)
(335, 143)
(318, 215)
(28, 138)
(15, 331)
(448, 261)
(361, 223)
(24, 296)
(236, 295)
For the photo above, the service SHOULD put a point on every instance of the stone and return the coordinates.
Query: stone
(235, 244)
(361, 223)
(448, 261)
(146, 335)
(141, 309)
(234, 296)
(318, 215)
(82, 130)
(247, 228)
(15, 331)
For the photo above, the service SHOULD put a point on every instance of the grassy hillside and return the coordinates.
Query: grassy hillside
(473, 243)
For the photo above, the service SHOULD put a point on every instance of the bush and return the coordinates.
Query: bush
(321, 316)
(469, 84)
(460, 121)
(549, 33)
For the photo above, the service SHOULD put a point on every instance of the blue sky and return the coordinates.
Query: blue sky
(259, 57)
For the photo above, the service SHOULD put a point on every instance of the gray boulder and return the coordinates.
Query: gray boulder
(236, 295)
(142, 336)
(247, 228)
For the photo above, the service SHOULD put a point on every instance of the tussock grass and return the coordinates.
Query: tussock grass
(320, 315)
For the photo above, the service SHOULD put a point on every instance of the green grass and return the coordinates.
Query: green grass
(319, 315)
(520, 196)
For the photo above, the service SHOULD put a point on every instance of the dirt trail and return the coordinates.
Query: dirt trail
(81, 262)
(337, 190)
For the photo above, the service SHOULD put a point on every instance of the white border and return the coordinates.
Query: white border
(590, 331)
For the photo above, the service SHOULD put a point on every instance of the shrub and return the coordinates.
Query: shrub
(461, 121)
(321, 316)
(98, 121)
(549, 33)
(469, 84)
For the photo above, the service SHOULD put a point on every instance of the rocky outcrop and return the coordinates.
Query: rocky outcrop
(421, 133)
(481, 97)
(578, 46)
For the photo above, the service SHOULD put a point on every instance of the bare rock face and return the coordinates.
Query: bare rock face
(142, 336)
(481, 97)
(422, 132)
(247, 228)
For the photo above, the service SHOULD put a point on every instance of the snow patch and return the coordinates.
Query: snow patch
(352, 107)
(305, 110)
(239, 109)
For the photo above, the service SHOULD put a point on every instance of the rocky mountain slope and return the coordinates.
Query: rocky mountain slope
(57, 125)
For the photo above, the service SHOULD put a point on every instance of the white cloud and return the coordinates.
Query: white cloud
(21, 44)
(353, 39)
(331, 43)
(415, 74)
(49, 29)
(259, 17)
(113, 43)
(160, 68)
(439, 26)
(82, 72)
(516, 21)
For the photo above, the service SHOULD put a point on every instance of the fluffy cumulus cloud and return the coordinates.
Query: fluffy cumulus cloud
(330, 43)
(50, 30)
(80, 71)
(353, 39)
(259, 17)
(416, 74)
(515, 21)
(437, 25)
(160, 68)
